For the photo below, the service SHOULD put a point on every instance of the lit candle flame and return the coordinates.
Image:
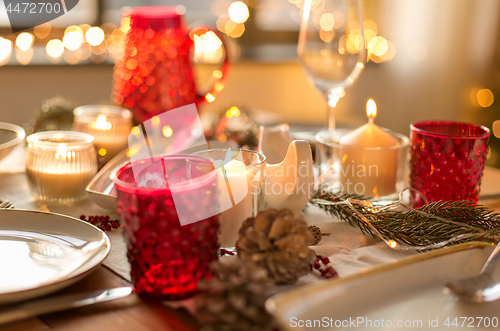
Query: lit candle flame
(62, 150)
(371, 110)
(101, 123)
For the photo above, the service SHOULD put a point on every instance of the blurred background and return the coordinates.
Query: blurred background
(428, 60)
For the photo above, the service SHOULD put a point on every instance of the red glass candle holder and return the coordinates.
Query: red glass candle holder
(167, 258)
(155, 74)
(447, 160)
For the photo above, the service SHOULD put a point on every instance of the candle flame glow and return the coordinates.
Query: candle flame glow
(371, 109)
(101, 123)
(62, 150)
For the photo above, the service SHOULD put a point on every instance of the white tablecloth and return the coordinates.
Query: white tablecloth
(348, 249)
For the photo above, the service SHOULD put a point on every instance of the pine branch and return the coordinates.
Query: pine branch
(438, 223)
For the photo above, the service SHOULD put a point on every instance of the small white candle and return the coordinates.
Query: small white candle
(369, 158)
(234, 178)
(60, 165)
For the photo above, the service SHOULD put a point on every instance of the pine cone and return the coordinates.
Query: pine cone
(278, 242)
(235, 301)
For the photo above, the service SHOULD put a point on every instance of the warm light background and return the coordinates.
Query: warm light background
(445, 66)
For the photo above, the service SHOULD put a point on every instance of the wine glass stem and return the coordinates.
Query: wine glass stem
(332, 102)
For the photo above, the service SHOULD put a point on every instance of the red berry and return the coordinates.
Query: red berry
(106, 218)
(325, 260)
(93, 222)
(82, 217)
(115, 224)
(108, 227)
(102, 228)
(317, 265)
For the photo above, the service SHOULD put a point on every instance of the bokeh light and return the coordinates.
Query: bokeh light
(233, 112)
(24, 41)
(5, 50)
(235, 30)
(378, 46)
(211, 42)
(94, 36)
(24, 57)
(327, 22)
(207, 46)
(135, 130)
(73, 40)
(42, 31)
(125, 24)
(485, 98)
(55, 48)
(167, 131)
(74, 28)
(496, 129)
(238, 12)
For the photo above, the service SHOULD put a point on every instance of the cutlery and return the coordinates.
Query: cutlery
(61, 302)
(484, 287)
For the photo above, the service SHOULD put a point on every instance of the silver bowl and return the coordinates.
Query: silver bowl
(10, 136)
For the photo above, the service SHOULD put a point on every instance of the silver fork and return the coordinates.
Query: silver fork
(482, 288)
(6, 204)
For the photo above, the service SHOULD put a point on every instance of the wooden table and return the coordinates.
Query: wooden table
(130, 313)
(135, 314)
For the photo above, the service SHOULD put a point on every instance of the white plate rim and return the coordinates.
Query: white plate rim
(79, 273)
(272, 304)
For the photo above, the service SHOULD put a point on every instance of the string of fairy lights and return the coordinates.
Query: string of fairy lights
(96, 44)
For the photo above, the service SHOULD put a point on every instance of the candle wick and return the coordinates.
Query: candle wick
(371, 119)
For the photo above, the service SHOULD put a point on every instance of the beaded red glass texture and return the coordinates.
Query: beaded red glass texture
(447, 160)
(167, 260)
(155, 73)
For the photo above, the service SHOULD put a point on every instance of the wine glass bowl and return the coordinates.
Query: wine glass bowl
(331, 47)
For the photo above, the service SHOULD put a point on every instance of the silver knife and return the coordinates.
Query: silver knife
(60, 302)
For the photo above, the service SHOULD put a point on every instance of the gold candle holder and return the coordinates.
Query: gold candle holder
(60, 164)
(109, 125)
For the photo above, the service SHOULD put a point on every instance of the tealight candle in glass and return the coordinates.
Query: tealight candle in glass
(60, 164)
(109, 125)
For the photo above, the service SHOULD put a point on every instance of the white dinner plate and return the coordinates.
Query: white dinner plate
(44, 252)
(408, 294)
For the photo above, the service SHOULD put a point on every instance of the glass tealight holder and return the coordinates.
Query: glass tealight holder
(169, 212)
(372, 172)
(109, 125)
(59, 165)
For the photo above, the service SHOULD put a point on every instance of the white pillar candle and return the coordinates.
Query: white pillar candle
(235, 186)
(368, 159)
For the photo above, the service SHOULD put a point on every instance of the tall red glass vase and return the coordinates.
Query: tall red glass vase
(155, 74)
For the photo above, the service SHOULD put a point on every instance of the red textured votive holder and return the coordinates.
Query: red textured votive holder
(447, 160)
(167, 258)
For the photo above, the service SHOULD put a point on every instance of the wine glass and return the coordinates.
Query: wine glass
(331, 48)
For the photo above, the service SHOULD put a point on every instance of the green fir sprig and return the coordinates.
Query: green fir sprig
(431, 226)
